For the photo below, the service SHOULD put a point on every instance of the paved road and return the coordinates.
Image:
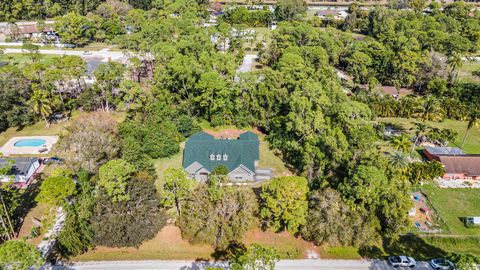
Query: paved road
(104, 54)
(282, 265)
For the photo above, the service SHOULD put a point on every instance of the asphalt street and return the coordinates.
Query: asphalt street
(103, 54)
(281, 265)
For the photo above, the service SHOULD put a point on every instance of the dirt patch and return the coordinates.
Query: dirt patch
(167, 244)
(286, 244)
(230, 133)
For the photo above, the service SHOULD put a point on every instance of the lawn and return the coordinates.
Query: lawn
(452, 204)
(465, 71)
(472, 144)
(20, 59)
(169, 245)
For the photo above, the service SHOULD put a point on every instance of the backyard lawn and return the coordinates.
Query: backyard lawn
(472, 144)
(453, 204)
(39, 128)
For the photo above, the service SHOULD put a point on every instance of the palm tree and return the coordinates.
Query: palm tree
(454, 61)
(41, 104)
(402, 143)
(431, 110)
(420, 130)
(473, 121)
(398, 160)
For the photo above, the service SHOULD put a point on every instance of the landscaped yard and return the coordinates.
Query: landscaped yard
(452, 204)
(39, 128)
(472, 144)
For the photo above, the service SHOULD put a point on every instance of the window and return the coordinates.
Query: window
(219, 157)
(212, 157)
(225, 157)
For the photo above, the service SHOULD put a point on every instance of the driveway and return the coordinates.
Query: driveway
(247, 64)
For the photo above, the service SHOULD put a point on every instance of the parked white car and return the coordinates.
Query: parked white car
(402, 261)
(442, 264)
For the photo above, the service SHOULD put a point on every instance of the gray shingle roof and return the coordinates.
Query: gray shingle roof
(20, 167)
(444, 150)
(200, 147)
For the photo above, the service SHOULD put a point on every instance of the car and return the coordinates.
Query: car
(87, 53)
(402, 261)
(442, 264)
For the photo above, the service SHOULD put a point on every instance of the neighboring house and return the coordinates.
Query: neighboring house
(463, 167)
(22, 169)
(335, 14)
(433, 153)
(457, 164)
(203, 153)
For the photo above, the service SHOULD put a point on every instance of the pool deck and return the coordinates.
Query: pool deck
(10, 149)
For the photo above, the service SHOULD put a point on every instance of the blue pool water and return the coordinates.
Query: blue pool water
(29, 143)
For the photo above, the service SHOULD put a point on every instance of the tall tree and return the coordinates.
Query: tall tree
(90, 141)
(220, 219)
(286, 10)
(128, 223)
(41, 104)
(176, 188)
(55, 190)
(108, 78)
(19, 255)
(284, 203)
(255, 257)
(473, 122)
(114, 176)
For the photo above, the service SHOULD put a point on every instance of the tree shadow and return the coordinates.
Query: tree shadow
(230, 252)
(27, 202)
(371, 252)
(414, 246)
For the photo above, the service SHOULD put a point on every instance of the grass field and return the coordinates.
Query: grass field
(472, 144)
(452, 204)
(456, 245)
(465, 72)
(168, 244)
(21, 59)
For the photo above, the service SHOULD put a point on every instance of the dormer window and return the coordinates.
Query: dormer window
(219, 157)
(225, 157)
(212, 157)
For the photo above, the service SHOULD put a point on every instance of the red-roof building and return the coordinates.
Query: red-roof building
(461, 166)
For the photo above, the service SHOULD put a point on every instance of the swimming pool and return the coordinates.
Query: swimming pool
(29, 143)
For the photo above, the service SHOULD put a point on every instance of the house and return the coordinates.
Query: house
(22, 169)
(461, 166)
(203, 153)
(433, 153)
(335, 14)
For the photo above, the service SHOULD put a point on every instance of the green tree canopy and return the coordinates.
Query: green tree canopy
(19, 255)
(55, 190)
(114, 176)
(284, 203)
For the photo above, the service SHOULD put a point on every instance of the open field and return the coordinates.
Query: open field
(453, 204)
(472, 145)
(168, 244)
(465, 71)
(21, 59)
(457, 245)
